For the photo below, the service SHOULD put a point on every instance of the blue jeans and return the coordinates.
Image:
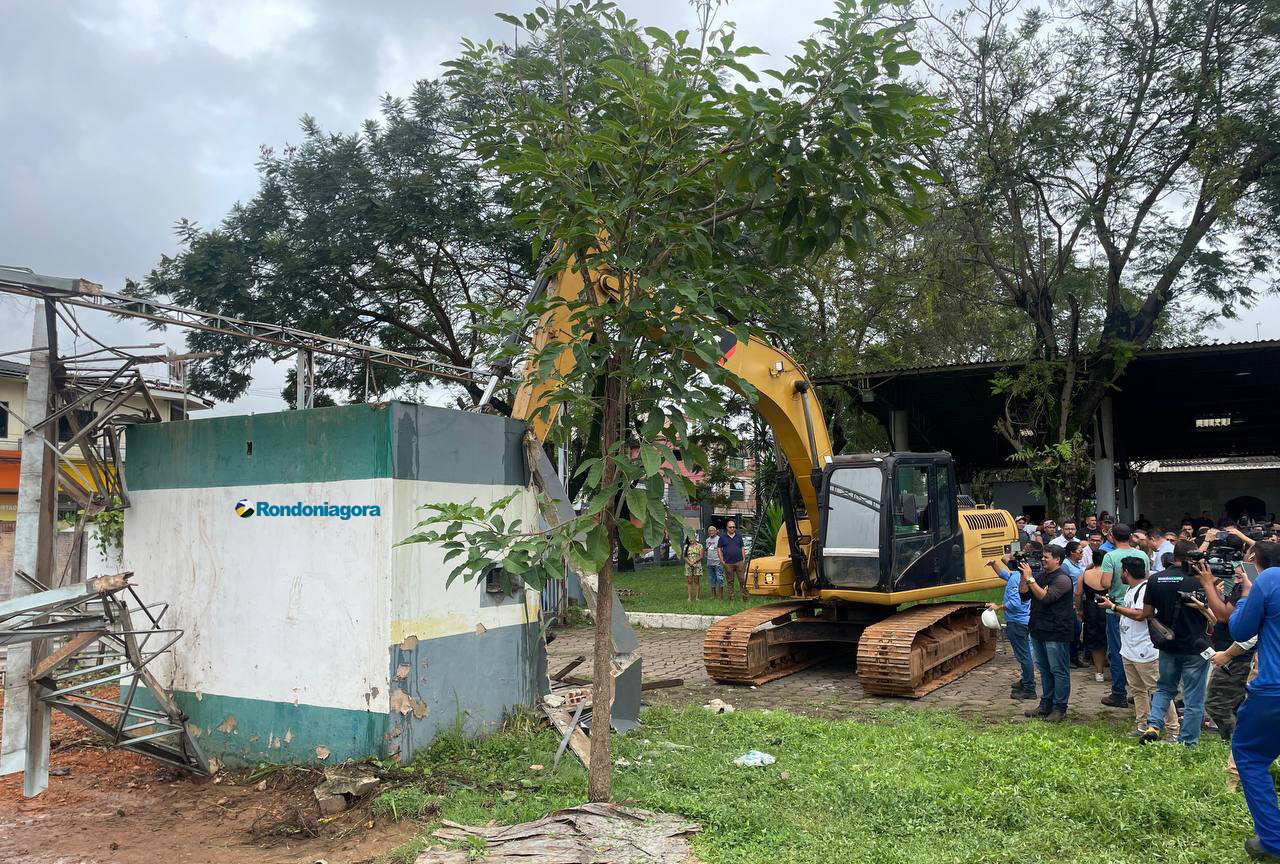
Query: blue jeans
(715, 575)
(1256, 744)
(1020, 639)
(1053, 660)
(1114, 660)
(1192, 672)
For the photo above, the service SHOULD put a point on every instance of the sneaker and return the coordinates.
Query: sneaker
(1136, 733)
(1254, 849)
(1056, 717)
(1151, 734)
(1099, 677)
(1113, 701)
(1038, 711)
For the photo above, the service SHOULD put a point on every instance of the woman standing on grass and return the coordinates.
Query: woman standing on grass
(693, 555)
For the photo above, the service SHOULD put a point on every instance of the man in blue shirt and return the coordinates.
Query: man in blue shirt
(731, 558)
(1017, 619)
(1256, 742)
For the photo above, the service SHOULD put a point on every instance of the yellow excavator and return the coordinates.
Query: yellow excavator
(862, 536)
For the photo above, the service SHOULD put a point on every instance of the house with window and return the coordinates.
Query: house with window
(174, 405)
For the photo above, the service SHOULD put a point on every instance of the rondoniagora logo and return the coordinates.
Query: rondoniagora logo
(342, 511)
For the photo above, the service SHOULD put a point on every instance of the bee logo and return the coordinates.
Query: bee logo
(244, 508)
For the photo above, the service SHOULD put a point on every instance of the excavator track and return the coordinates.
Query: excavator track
(739, 649)
(917, 651)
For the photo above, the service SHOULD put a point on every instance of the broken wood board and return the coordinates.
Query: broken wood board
(579, 743)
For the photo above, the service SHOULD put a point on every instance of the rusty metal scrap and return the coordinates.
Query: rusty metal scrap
(589, 834)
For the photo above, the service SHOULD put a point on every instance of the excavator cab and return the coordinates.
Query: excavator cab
(891, 523)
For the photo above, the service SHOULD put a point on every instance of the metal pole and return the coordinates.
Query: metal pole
(26, 718)
(305, 380)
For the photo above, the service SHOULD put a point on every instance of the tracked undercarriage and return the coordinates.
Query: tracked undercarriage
(909, 653)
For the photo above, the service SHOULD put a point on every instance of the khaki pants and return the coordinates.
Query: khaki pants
(1142, 680)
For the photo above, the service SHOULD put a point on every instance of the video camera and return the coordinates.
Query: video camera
(1222, 556)
(1033, 559)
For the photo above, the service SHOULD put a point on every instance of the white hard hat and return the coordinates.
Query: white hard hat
(989, 619)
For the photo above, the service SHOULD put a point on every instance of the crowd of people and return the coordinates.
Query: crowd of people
(1173, 619)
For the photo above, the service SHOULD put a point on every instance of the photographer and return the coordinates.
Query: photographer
(1017, 618)
(1052, 626)
(1256, 742)
(1179, 631)
(1227, 682)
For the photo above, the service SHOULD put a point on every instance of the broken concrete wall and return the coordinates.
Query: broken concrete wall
(296, 624)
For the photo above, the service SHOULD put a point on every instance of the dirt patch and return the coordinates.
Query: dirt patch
(117, 807)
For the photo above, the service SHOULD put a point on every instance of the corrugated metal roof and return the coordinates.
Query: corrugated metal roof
(1219, 463)
(1167, 351)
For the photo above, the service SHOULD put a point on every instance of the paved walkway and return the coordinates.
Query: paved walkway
(830, 689)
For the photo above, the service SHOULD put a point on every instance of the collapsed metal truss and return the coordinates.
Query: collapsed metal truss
(98, 644)
(90, 295)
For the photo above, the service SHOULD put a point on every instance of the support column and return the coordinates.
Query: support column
(305, 382)
(26, 719)
(899, 434)
(1104, 462)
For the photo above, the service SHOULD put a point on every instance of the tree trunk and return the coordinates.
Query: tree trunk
(600, 767)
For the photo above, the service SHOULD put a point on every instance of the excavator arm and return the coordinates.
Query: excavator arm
(781, 391)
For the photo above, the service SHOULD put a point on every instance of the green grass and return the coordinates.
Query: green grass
(924, 787)
(662, 589)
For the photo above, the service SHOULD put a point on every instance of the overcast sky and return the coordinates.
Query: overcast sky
(125, 116)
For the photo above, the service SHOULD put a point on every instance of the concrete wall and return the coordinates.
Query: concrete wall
(1165, 497)
(314, 637)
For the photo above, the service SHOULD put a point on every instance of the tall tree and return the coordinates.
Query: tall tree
(394, 236)
(1124, 150)
(648, 174)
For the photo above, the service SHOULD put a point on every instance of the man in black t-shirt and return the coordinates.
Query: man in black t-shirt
(1184, 658)
(1052, 625)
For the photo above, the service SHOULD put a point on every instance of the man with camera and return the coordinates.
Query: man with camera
(1256, 741)
(1175, 609)
(1052, 625)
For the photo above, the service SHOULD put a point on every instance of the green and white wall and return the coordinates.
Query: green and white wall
(313, 637)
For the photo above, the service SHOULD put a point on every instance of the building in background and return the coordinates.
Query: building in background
(174, 405)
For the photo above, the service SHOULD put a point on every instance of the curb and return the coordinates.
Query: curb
(670, 620)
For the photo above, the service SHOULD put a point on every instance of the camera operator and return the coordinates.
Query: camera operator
(1052, 626)
(1180, 635)
(1227, 681)
(1256, 742)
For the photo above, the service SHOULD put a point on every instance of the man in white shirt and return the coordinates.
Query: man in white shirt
(1068, 534)
(1141, 659)
(1165, 545)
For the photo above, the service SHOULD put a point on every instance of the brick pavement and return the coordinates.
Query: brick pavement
(830, 689)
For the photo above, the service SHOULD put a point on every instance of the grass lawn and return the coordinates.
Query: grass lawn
(924, 787)
(662, 589)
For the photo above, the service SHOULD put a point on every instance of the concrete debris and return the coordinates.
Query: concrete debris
(342, 786)
(322, 752)
(59, 772)
(719, 706)
(349, 779)
(553, 700)
(590, 834)
(330, 805)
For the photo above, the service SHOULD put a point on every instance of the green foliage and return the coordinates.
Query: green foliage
(383, 237)
(771, 518)
(109, 522)
(658, 167)
(406, 802)
(893, 787)
(1112, 173)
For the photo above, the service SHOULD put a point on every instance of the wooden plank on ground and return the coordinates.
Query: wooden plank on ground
(579, 743)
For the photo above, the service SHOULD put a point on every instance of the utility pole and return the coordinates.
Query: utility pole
(26, 718)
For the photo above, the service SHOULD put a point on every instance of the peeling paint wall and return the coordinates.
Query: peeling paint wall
(313, 635)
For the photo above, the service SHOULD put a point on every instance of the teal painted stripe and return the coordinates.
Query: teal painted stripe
(348, 442)
(240, 731)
